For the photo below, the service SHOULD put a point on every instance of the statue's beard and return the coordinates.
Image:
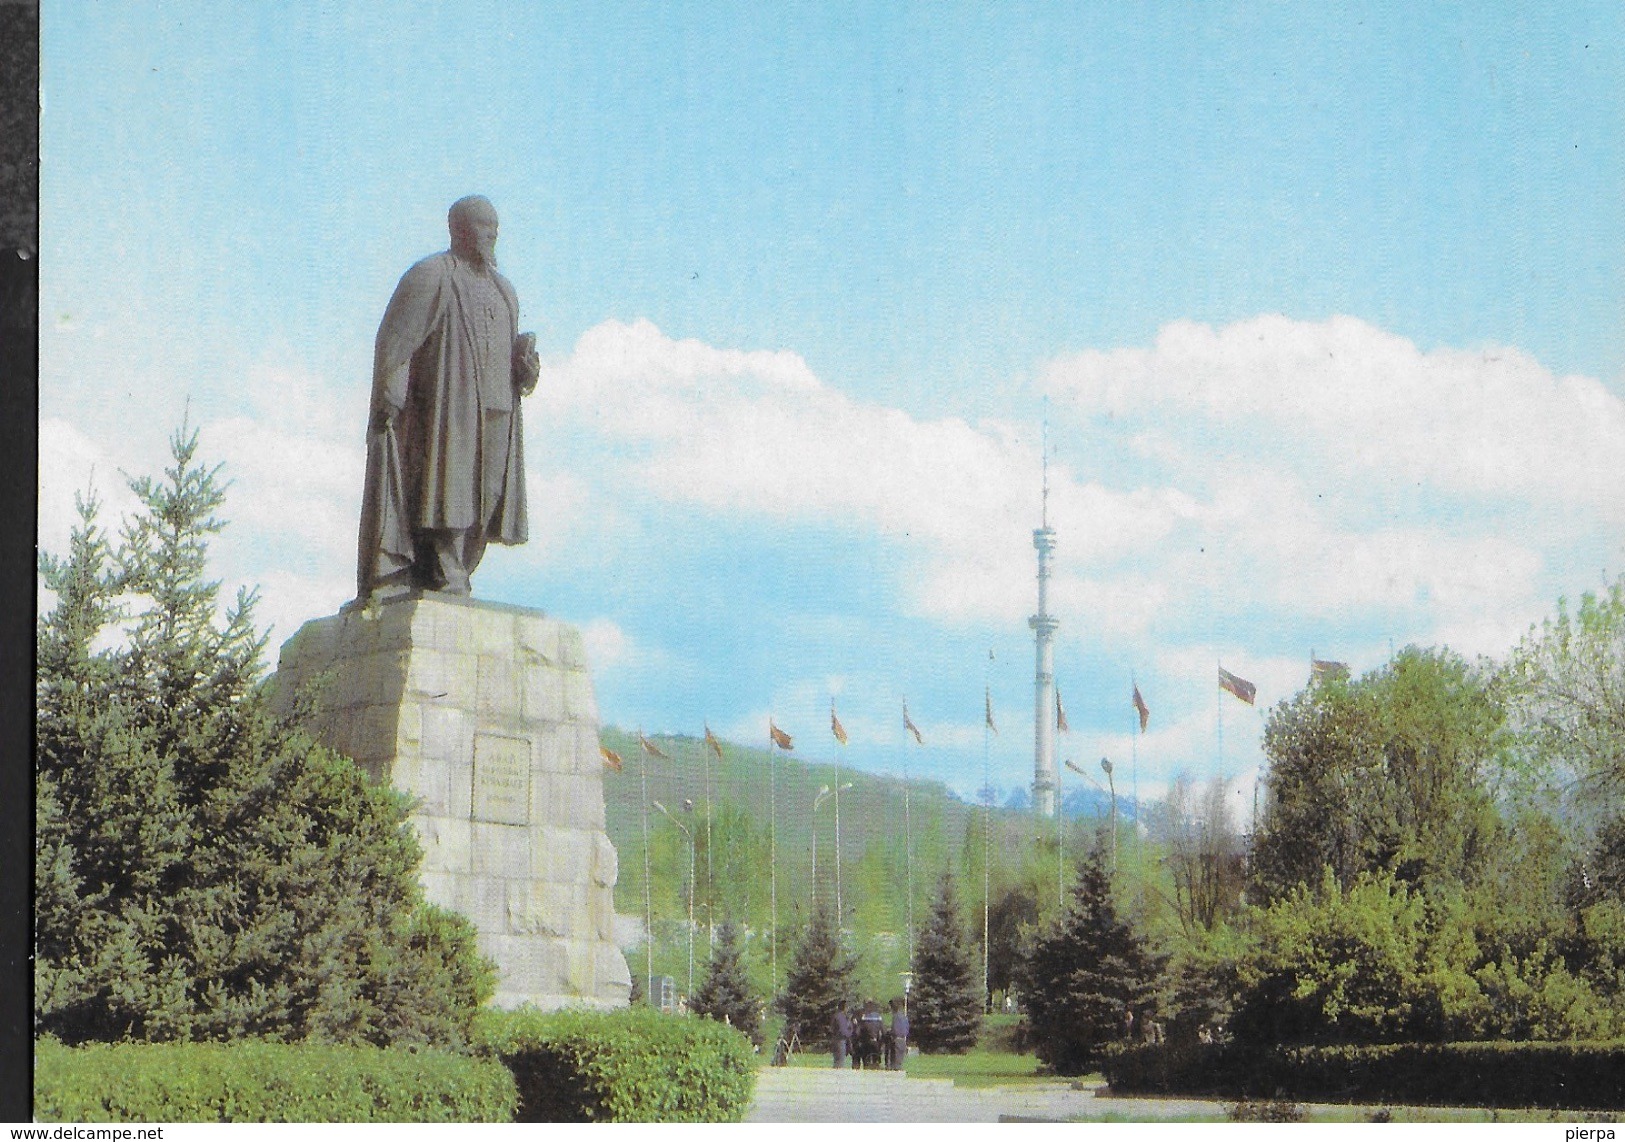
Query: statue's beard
(475, 257)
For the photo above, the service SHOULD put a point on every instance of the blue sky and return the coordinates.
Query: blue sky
(1327, 303)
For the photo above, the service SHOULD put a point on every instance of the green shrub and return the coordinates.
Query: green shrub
(261, 1081)
(631, 1065)
(1337, 964)
(1536, 997)
(1572, 1076)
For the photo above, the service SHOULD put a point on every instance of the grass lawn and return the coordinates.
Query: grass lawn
(993, 1062)
(983, 1067)
(977, 1068)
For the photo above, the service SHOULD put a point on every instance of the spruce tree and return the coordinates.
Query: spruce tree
(1083, 975)
(945, 1003)
(725, 995)
(821, 975)
(204, 870)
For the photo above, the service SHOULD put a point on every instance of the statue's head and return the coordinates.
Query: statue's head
(473, 224)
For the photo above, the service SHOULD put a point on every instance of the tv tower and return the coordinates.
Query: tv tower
(1045, 777)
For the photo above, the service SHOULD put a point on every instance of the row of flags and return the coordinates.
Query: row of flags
(613, 760)
(1320, 670)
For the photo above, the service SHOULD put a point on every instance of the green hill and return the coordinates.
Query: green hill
(735, 846)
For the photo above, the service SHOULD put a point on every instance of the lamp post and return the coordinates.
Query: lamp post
(1111, 795)
(1060, 844)
(824, 794)
(1111, 791)
(688, 835)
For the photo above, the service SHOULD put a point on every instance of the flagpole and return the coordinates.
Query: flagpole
(710, 869)
(1060, 843)
(987, 831)
(773, 853)
(648, 899)
(908, 844)
(1134, 763)
(839, 746)
(987, 858)
(1218, 704)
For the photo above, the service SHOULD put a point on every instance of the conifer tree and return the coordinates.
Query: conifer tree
(821, 975)
(945, 1003)
(1083, 975)
(725, 995)
(204, 870)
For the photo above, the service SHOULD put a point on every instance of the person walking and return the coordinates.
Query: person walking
(841, 1031)
(898, 1046)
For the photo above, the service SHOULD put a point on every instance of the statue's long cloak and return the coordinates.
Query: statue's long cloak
(424, 471)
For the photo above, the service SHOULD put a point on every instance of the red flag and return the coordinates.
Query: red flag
(990, 724)
(780, 738)
(1240, 687)
(1141, 708)
(712, 743)
(612, 760)
(911, 727)
(651, 749)
(835, 726)
(1060, 715)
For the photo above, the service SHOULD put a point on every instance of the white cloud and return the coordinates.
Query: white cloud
(757, 434)
(1280, 467)
(606, 643)
(289, 487)
(71, 465)
(288, 600)
(1351, 399)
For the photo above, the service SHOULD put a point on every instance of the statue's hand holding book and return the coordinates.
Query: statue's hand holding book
(527, 366)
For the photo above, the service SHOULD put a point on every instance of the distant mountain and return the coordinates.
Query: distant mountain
(1077, 804)
(1087, 804)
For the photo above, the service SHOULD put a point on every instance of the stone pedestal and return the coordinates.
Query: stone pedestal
(485, 714)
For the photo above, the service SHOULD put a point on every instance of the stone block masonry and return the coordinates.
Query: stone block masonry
(484, 713)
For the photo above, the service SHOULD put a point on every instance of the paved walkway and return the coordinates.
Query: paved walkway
(802, 1094)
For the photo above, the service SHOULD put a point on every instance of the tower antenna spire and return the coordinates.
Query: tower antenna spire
(1044, 509)
(1043, 624)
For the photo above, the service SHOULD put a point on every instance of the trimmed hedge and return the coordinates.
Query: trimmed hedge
(632, 1065)
(1558, 1076)
(262, 1081)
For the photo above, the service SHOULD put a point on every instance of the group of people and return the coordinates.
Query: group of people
(868, 1041)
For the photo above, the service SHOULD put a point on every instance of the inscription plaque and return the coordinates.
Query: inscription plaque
(501, 779)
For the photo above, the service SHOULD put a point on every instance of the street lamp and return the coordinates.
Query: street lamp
(1112, 793)
(689, 836)
(824, 794)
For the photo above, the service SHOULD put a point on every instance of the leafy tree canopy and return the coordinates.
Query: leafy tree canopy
(1566, 695)
(1392, 771)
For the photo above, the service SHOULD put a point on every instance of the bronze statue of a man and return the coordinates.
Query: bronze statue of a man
(445, 465)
